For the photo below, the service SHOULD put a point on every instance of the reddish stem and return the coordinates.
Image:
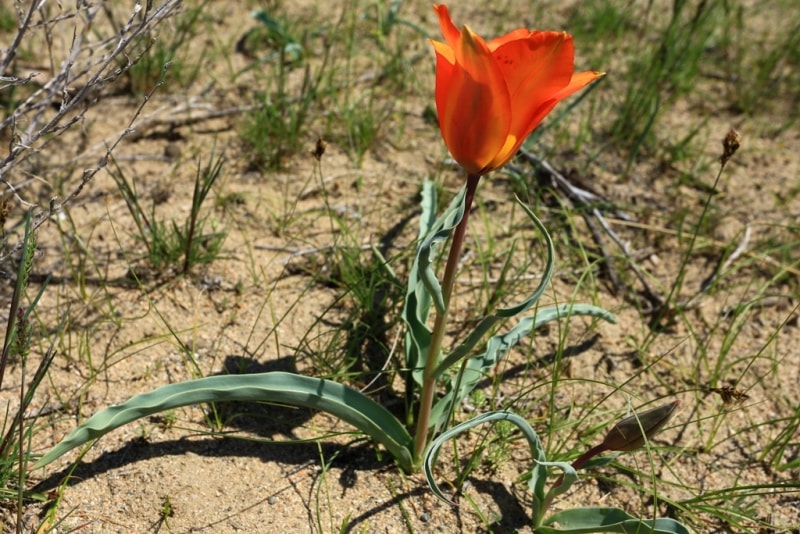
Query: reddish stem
(440, 323)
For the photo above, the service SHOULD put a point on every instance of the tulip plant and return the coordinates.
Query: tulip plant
(490, 96)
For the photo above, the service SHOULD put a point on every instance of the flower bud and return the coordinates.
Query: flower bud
(632, 432)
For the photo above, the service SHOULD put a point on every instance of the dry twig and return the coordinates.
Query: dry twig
(77, 83)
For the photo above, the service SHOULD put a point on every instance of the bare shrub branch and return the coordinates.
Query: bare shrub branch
(97, 57)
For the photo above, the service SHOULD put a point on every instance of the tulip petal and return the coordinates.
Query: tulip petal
(539, 74)
(535, 69)
(444, 50)
(578, 82)
(449, 30)
(491, 96)
(515, 35)
(535, 116)
(471, 98)
(515, 140)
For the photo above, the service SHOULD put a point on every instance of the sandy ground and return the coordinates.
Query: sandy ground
(258, 308)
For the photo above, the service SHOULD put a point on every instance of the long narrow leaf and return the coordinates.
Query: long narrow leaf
(440, 232)
(504, 313)
(423, 287)
(539, 474)
(480, 365)
(286, 388)
(603, 519)
(417, 305)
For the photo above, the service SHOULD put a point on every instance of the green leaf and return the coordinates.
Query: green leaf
(480, 365)
(504, 313)
(286, 388)
(423, 286)
(569, 478)
(439, 233)
(428, 200)
(538, 475)
(604, 519)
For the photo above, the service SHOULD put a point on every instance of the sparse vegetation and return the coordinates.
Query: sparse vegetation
(191, 190)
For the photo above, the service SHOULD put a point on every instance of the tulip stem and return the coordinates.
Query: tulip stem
(588, 455)
(440, 323)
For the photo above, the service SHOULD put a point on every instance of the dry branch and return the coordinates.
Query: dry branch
(78, 81)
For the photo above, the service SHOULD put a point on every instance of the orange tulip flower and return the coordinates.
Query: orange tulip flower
(491, 96)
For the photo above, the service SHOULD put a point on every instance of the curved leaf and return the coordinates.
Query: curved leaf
(538, 475)
(423, 287)
(603, 519)
(427, 204)
(439, 233)
(570, 475)
(287, 388)
(480, 365)
(504, 313)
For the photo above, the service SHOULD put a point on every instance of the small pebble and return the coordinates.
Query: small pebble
(172, 150)
(272, 500)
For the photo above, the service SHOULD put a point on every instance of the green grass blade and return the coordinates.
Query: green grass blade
(347, 404)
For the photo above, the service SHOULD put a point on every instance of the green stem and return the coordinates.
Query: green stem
(439, 326)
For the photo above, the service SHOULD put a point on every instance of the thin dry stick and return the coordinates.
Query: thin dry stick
(11, 51)
(100, 73)
(758, 257)
(588, 199)
(389, 356)
(57, 88)
(170, 120)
